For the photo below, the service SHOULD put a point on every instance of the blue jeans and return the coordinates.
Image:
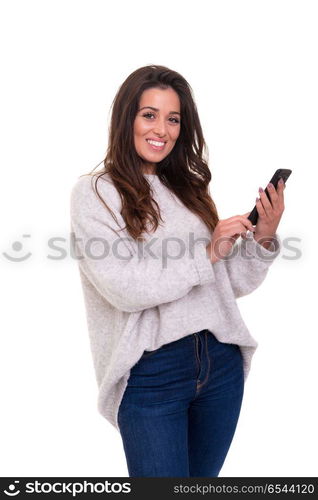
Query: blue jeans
(180, 408)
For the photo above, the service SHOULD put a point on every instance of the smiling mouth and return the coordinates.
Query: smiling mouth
(156, 145)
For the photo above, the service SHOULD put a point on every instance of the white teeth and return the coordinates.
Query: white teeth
(155, 143)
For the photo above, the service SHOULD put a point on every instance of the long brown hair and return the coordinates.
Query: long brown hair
(184, 170)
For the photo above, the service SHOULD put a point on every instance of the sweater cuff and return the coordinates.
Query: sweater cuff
(203, 265)
(261, 253)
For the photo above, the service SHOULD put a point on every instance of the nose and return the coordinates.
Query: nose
(160, 128)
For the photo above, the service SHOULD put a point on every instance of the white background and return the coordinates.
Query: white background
(252, 66)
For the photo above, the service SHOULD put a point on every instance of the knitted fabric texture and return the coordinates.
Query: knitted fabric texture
(140, 296)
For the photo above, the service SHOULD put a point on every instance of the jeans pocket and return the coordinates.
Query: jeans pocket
(147, 354)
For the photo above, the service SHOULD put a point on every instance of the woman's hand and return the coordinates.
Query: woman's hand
(225, 234)
(270, 212)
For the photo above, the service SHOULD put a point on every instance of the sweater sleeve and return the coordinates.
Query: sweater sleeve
(109, 259)
(248, 265)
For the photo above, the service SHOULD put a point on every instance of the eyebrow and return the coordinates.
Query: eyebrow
(156, 109)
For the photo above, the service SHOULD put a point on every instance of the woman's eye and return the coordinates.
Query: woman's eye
(146, 115)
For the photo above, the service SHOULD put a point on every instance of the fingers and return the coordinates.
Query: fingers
(280, 190)
(272, 192)
(281, 185)
(260, 208)
(267, 205)
(274, 200)
(246, 222)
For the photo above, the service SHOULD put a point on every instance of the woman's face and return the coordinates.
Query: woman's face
(157, 119)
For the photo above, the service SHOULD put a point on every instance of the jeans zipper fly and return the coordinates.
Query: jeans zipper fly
(197, 354)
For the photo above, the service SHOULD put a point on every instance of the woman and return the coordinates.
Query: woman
(170, 348)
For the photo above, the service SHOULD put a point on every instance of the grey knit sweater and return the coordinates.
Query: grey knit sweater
(139, 296)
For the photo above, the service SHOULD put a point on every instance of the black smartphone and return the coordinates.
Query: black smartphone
(281, 172)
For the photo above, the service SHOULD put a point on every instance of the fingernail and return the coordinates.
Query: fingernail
(257, 199)
(281, 180)
(261, 190)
